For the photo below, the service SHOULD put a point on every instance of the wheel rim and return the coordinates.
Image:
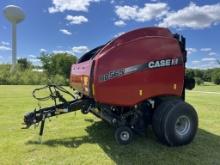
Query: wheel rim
(124, 135)
(182, 125)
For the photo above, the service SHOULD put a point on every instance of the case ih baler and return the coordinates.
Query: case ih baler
(133, 81)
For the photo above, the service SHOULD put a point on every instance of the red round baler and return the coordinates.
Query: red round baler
(133, 81)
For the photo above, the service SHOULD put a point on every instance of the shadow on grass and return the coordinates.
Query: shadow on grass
(205, 149)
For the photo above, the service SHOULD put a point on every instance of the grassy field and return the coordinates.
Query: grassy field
(78, 139)
(208, 87)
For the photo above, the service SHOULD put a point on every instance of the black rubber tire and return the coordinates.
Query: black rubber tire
(165, 118)
(118, 135)
(179, 110)
(158, 115)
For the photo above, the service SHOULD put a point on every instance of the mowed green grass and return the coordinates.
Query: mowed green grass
(208, 87)
(84, 139)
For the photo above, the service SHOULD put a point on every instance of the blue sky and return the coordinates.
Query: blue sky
(76, 26)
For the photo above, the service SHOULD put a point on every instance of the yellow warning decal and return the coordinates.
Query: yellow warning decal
(140, 92)
(85, 80)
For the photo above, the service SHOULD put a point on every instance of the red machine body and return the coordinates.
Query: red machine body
(133, 81)
(136, 66)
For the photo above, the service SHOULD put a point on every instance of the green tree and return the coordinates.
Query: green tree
(198, 73)
(207, 75)
(199, 81)
(21, 76)
(216, 77)
(23, 63)
(59, 63)
(190, 73)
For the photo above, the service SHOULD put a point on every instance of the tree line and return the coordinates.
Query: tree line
(201, 76)
(56, 69)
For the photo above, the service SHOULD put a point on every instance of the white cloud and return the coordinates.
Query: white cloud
(126, 12)
(148, 12)
(76, 19)
(79, 50)
(5, 43)
(208, 59)
(206, 49)
(195, 62)
(62, 51)
(212, 53)
(35, 61)
(209, 51)
(205, 63)
(70, 5)
(66, 32)
(42, 50)
(191, 50)
(119, 34)
(193, 16)
(119, 23)
(76, 50)
(112, 1)
(32, 56)
(4, 48)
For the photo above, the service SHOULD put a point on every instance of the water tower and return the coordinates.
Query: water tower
(15, 15)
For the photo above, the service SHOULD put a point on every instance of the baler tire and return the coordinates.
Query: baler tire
(158, 116)
(123, 135)
(179, 132)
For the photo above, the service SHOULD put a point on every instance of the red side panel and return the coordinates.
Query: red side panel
(138, 86)
(80, 76)
(135, 49)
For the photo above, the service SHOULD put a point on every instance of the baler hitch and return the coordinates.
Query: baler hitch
(40, 115)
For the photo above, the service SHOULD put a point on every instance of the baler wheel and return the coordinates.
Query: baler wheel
(158, 115)
(123, 135)
(175, 123)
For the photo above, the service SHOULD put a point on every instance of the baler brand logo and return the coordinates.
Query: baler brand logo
(162, 63)
(135, 68)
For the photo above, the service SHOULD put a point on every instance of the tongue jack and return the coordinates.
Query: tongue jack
(41, 129)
